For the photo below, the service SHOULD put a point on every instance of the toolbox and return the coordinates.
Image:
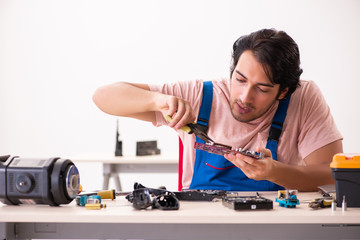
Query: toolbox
(346, 172)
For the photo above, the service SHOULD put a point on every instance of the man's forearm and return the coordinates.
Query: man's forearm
(302, 178)
(124, 99)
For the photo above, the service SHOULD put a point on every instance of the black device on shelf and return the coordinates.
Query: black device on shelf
(145, 148)
(118, 142)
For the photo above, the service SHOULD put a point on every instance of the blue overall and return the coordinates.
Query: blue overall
(214, 172)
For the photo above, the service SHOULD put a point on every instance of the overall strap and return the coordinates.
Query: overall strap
(276, 127)
(206, 102)
(213, 171)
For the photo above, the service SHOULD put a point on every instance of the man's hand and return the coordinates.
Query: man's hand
(257, 169)
(178, 109)
(308, 177)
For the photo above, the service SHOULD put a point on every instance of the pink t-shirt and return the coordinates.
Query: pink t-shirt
(308, 124)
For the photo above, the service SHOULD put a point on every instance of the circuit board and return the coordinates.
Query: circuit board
(223, 149)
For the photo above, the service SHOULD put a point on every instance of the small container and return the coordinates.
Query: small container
(346, 172)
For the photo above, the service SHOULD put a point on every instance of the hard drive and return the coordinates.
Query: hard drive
(247, 203)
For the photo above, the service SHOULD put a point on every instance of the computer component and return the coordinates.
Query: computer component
(223, 149)
(247, 203)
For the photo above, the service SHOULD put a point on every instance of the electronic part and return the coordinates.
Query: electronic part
(247, 203)
(287, 198)
(146, 148)
(118, 142)
(211, 146)
(81, 200)
(143, 197)
(200, 195)
(223, 149)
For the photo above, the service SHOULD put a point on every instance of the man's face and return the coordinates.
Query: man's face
(252, 93)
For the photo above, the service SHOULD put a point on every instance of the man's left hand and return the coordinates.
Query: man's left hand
(257, 169)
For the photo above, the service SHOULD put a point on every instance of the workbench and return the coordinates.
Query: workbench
(114, 166)
(194, 220)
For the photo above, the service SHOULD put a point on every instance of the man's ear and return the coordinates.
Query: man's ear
(283, 94)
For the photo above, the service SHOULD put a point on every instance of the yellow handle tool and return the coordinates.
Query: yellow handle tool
(95, 206)
(185, 128)
(198, 129)
(107, 194)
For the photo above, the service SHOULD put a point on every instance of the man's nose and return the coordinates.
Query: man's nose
(247, 95)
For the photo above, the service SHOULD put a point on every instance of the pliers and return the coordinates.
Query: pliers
(199, 130)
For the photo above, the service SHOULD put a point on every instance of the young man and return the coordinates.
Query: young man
(263, 107)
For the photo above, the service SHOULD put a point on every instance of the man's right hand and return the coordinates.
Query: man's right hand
(178, 109)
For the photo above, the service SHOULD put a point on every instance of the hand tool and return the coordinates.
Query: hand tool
(51, 181)
(104, 194)
(95, 206)
(210, 145)
(199, 130)
(321, 202)
(90, 197)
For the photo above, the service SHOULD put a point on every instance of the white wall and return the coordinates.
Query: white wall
(54, 54)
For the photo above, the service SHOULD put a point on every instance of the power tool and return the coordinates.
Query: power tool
(51, 181)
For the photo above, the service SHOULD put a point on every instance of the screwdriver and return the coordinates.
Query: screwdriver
(106, 194)
(185, 128)
(95, 206)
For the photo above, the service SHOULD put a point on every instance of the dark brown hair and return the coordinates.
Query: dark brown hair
(277, 52)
